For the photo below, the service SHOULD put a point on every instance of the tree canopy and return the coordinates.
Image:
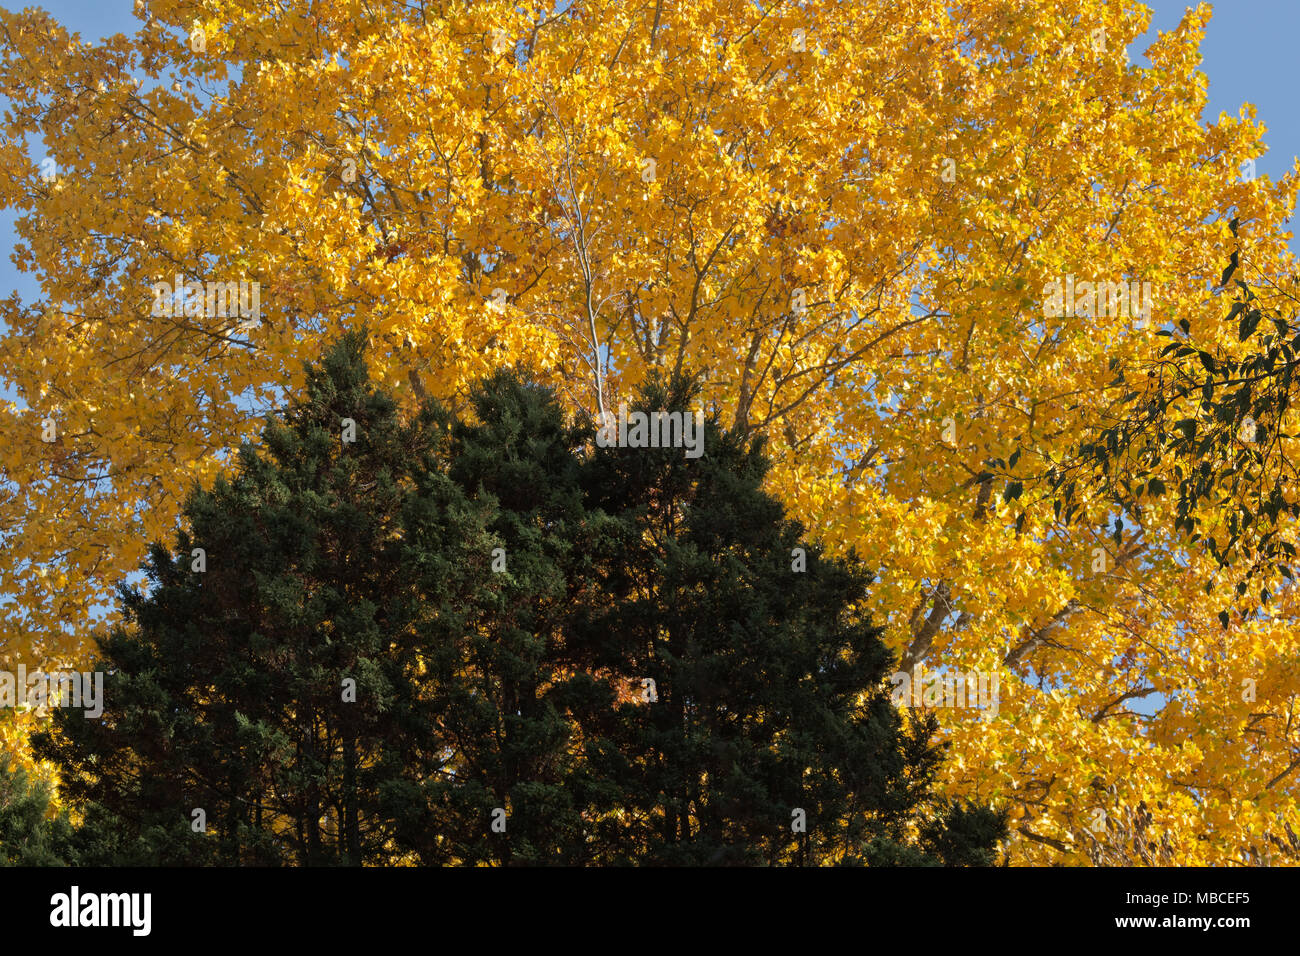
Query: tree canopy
(843, 218)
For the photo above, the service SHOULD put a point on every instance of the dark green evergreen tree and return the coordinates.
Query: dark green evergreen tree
(561, 654)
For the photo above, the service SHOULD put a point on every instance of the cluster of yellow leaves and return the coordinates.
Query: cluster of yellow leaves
(16, 727)
(841, 214)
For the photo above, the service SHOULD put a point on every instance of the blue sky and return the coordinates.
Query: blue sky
(1247, 55)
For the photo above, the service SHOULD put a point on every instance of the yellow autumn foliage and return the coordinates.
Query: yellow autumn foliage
(842, 215)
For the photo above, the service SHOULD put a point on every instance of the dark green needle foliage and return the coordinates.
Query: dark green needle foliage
(771, 740)
(30, 835)
(274, 689)
(485, 639)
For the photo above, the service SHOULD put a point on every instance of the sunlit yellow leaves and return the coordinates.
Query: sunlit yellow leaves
(914, 177)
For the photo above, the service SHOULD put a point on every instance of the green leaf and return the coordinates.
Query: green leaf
(1232, 267)
(1249, 321)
